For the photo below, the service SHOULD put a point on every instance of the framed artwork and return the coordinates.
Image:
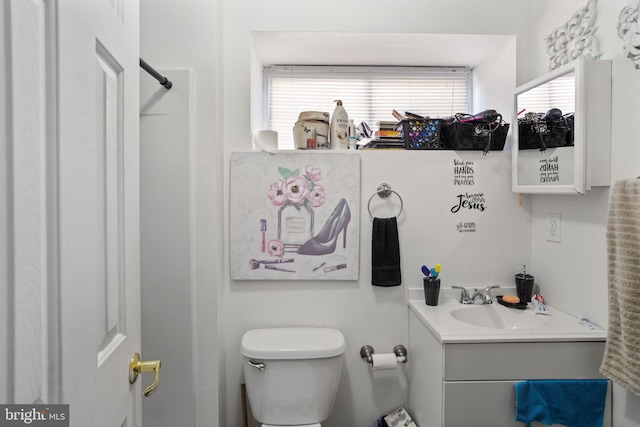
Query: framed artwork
(294, 216)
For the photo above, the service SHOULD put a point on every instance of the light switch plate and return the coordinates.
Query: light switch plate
(553, 228)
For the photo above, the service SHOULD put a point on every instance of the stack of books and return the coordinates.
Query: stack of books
(386, 136)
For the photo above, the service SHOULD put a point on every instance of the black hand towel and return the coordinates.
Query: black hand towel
(385, 253)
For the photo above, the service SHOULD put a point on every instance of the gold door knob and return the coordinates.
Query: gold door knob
(137, 366)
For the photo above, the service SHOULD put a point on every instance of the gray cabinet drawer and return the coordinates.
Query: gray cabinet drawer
(514, 360)
(487, 403)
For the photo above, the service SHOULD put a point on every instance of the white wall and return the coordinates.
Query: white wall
(492, 80)
(166, 146)
(379, 316)
(187, 35)
(573, 273)
(365, 314)
(213, 39)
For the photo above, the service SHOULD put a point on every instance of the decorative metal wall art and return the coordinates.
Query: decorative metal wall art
(629, 31)
(575, 38)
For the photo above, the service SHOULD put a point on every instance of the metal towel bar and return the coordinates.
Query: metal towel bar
(384, 190)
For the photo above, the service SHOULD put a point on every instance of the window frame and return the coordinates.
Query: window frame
(354, 71)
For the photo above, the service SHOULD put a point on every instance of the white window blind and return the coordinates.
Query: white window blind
(557, 93)
(368, 94)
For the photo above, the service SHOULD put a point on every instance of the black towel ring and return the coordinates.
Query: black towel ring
(384, 190)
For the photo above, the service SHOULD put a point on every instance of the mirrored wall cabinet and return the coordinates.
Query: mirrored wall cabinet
(562, 141)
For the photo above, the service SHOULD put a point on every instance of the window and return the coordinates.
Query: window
(557, 93)
(368, 94)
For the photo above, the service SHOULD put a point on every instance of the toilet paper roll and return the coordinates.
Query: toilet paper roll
(384, 361)
(266, 140)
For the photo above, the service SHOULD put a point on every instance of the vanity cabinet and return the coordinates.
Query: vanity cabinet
(472, 383)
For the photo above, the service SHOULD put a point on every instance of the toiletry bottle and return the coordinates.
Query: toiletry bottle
(352, 135)
(339, 128)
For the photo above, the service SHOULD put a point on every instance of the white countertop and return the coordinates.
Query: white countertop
(558, 326)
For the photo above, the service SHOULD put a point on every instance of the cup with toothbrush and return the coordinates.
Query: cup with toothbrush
(431, 283)
(524, 285)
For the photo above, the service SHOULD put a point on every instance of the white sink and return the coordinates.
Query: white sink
(496, 316)
(452, 322)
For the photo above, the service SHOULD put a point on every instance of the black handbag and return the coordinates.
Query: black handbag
(541, 131)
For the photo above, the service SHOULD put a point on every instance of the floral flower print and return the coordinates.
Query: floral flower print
(299, 190)
(316, 196)
(276, 248)
(313, 174)
(296, 189)
(277, 194)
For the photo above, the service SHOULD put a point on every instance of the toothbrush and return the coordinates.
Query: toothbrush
(426, 271)
(435, 272)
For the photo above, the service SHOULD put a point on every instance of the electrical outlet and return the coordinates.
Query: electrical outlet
(553, 228)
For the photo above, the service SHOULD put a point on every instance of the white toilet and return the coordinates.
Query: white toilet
(292, 374)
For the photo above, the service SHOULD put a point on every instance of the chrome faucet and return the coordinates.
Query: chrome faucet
(485, 294)
(464, 295)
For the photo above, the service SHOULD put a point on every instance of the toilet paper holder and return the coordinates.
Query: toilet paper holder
(366, 352)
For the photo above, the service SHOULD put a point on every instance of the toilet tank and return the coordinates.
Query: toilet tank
(292, 374)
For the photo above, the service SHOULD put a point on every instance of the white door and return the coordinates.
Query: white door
(69, 207)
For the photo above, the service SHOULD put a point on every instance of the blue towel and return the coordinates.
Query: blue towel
(573, 403)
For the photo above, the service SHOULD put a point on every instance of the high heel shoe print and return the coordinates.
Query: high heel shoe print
(325, 241)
